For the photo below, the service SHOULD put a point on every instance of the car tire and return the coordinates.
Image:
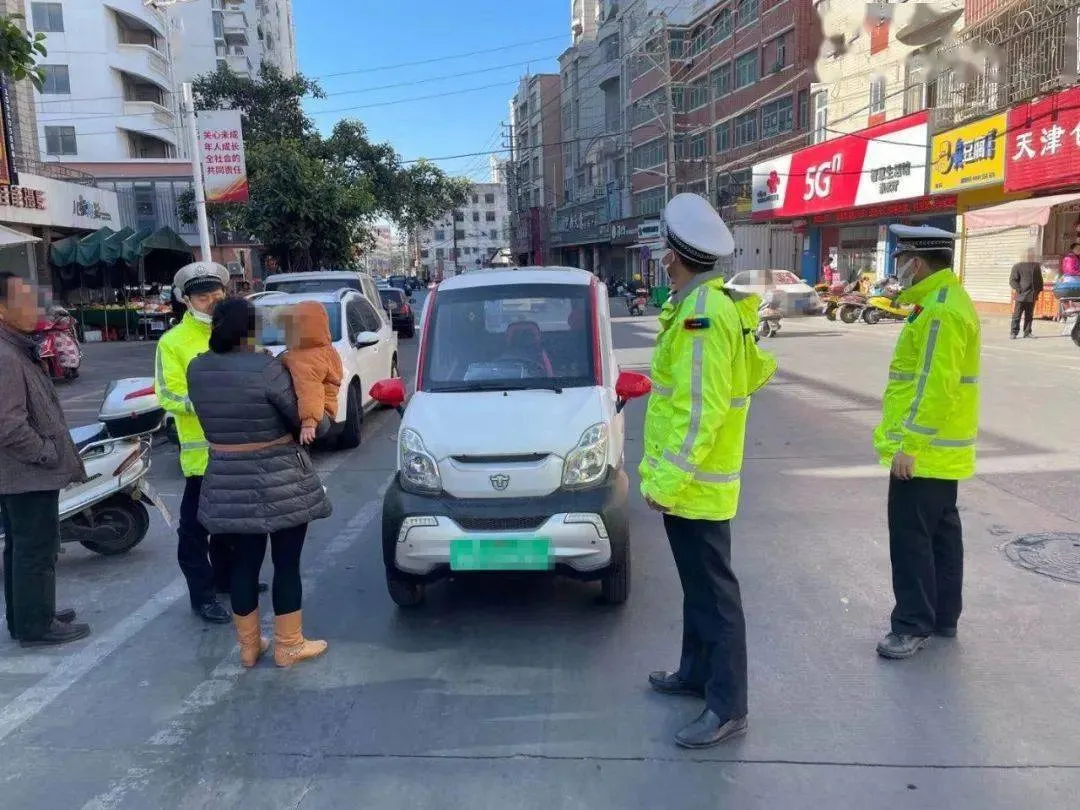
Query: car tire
(354, 418)
(615, 584)
(404, 594)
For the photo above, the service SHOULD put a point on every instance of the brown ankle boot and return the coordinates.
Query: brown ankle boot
(252, 643)
(290, 645)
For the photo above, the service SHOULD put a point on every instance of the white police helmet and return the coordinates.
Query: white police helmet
(199, 277)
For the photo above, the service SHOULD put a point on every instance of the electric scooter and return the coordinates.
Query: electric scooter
(58, 345)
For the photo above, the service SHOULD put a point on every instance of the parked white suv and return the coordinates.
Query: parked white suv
(510, 454)
(362, 337)
(324, 281)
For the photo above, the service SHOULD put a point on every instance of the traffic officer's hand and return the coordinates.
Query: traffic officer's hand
(655, 506)
(903, 467)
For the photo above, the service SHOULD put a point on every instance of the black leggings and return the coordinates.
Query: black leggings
(249, 550)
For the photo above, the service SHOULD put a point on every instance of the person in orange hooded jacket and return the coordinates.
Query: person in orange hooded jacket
(314, 365)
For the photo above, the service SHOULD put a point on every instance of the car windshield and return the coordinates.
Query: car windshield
(509, 336)
(312, 285)
(392, 298)
(270, 322)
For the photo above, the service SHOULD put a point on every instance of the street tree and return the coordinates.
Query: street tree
(19, 51)
(314, 199)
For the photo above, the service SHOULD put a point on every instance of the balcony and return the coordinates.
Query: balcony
(235, 26)
(235, 58)
(141, 60)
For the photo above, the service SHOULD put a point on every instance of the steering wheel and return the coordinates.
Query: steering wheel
(536, 365)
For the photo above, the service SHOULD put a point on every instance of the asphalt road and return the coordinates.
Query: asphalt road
(526, 693)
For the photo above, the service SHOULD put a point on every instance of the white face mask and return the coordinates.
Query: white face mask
(201, 317)
(905, 273)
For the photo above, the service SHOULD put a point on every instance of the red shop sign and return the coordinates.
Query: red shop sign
(1043, 143)
(881, 164)
(898, 210)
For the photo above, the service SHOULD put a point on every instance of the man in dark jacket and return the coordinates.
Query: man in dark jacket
(1027, 283)
(37, 460)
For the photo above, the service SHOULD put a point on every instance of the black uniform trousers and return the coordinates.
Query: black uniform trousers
(31, 545)
(927, 551)
(1025, 309)
(205, 563)
(714, 629)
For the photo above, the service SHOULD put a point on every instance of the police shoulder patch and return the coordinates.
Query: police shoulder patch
(694, 324)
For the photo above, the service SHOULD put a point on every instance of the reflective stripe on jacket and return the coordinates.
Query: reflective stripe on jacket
(931, 405)
(176, 349)
(704, 368)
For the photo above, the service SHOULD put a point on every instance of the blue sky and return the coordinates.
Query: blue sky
(348, 36)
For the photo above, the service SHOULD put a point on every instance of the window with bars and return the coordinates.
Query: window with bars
(722, 27)
(678, 44)
(721, 80)
(649, 202)
(701, 40)
(776, 117)
(699, 93)
(877, 95)
(60, 141)
(747, 11)
(648, 108)
(745, 129)
(723, 136)
(699, 146)
(746, 70)
(649, 154)
(678, 98)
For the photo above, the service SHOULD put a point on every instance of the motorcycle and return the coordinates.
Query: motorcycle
(58, 345)
(107, 513)
(830, 297)
(1067, 292)
(637, 301)
(850, 306)
(882, 304)
(769, 317)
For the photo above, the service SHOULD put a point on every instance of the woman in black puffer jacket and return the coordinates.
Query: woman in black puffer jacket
(259, 482)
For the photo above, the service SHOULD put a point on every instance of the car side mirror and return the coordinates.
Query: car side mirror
(365, 339)
(390, 393)
(630, 385)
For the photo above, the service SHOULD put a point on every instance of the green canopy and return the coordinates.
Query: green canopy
(110, 248)
(130, 247)
(158, 255)
(62, 252)
(88, 253)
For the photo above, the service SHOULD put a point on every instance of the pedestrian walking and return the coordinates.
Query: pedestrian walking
(259, 481)
(37, 460)
(705, 366)
(197, 289)
(1026, 281)
(927, 438)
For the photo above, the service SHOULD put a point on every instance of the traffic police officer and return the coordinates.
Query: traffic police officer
(205, 565)
(927, 439)
(705, 366)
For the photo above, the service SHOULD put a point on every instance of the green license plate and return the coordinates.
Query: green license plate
(500, 554)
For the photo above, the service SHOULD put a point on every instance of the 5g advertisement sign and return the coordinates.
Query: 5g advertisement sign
(882, 164)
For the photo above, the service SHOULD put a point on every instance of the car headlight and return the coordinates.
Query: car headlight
(588, 461)
(418, 467)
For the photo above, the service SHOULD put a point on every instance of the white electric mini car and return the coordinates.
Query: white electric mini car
(510, 454)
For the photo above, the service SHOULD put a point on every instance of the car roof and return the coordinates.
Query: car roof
(317, 274)
(270, 297)
(490, 277)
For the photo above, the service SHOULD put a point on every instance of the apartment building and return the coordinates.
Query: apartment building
(110, 103)
(711, 91)
(468, 238)
(534, 171)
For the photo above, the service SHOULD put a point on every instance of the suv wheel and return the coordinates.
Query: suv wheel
(615, 586)
(405, 594)
(354, 417)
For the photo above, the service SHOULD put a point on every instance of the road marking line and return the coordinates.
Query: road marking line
(227, 673)
(70, 670)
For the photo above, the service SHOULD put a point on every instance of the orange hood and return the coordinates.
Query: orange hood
(309, 326)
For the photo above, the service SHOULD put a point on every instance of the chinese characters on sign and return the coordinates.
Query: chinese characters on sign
(83, 207)
(888, 177)
(221, 145)
(970, 156)
(20, 197)
(1043, 146)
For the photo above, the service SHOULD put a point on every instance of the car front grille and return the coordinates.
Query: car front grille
(509, 524)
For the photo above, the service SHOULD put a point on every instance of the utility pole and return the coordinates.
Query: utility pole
(188, 101)
(453, 224)
(669, 157)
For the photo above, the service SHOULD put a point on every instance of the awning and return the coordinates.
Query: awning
(81, 250)
(110, 248)
(1018, 213)
(10, 237)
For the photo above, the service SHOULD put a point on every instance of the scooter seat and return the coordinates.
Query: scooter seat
(88, 434)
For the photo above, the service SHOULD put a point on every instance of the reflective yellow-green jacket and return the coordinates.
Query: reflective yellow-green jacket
(705, 367)
(176, 349)
(931, 405)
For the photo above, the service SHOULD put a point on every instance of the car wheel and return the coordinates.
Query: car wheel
(405, 594)
(354, 417)
(615, 585)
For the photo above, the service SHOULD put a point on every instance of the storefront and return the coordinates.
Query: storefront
(44, 210)
(645, 255)
(845, 192)
(623, 235)
(582, 236)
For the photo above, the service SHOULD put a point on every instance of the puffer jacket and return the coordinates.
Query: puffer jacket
(313, 362)
(248, 398)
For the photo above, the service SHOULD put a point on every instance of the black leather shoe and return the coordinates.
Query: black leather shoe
(709, 730)
(65, 615)
(900, 645)
(945, 632)
(669, 683)
(58, 633)
(214, 613)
